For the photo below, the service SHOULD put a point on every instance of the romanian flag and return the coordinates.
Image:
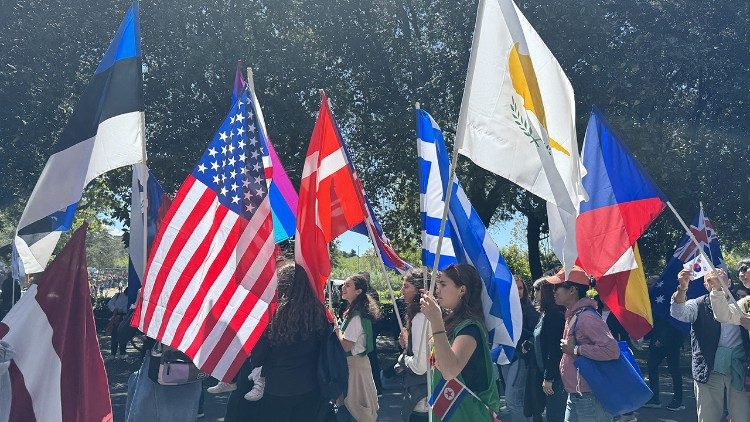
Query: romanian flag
(622, 203)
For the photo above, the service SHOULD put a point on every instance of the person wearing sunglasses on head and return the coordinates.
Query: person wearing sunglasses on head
(460, 346)
(719, 347)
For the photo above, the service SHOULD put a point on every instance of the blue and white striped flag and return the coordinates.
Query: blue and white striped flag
(466, 240)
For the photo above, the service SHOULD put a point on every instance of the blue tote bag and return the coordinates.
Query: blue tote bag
(617, 384)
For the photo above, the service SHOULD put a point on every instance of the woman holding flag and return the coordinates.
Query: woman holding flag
(463, 380)
(357, 339)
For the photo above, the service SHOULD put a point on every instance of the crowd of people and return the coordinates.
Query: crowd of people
(291, 373)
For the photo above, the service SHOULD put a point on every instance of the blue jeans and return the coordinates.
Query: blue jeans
(514, 375)
(556, 403)
(585, 408)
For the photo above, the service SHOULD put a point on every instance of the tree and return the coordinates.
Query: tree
(668, 75)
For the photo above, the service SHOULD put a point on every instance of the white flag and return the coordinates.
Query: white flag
(518, 117)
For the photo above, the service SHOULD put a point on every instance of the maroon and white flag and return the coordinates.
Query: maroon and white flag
(57, 372)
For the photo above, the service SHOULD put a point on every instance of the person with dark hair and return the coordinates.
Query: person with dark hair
(412, 363)
(515, 372)
(288, 352)
(585, 334)
(10, 292)
(461, 349)
(545, 380)
(357, 339)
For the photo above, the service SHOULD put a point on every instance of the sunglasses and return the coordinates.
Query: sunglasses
(744, 268)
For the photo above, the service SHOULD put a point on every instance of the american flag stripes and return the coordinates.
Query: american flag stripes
(211, 275)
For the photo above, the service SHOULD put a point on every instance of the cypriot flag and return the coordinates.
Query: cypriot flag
(518, 117)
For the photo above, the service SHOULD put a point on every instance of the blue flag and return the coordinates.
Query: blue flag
(686, 253)
(150, 192)
(467, 240)
(104, 132)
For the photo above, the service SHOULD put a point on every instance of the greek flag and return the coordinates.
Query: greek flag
(466, 240)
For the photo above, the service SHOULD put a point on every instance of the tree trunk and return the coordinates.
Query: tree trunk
(533, 234)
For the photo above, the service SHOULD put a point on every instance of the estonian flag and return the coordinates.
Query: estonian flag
(106, 131)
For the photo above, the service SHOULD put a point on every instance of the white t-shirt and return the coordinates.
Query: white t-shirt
(356, 333)
(418, 362)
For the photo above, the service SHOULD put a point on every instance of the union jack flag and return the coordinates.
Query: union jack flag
(686, 253)
(211, 276)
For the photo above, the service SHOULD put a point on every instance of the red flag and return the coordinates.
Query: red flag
(57, 373)
(328, 199)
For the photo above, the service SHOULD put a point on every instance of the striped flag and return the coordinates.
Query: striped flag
(57, 372)
(105, 131)
(467, 240)
(385, 250)
(148, 206)
(328, 199)
(211, 276)
(283, 196)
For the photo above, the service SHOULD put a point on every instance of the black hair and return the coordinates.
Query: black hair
(299, 313)
(364, 304)
(470, 305)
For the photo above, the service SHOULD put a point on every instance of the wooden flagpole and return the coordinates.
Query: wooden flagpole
(436, 263)
(379, 257)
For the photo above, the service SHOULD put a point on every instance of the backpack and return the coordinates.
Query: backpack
(333, 372)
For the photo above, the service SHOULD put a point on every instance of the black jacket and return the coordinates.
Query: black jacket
(553, 324)
(617, 330)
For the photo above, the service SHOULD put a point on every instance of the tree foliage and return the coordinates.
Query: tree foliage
(671, 75)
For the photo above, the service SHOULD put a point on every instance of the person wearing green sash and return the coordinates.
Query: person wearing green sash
(356, 336)
(460, 345)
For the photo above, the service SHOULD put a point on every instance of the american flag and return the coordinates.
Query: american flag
(211, 276)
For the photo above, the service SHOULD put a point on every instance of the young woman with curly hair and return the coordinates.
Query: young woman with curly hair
(288, 352)
(460, 343)
(356, 336)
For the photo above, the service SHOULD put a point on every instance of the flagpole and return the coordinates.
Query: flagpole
(700, 250)
(385, 275)
(250, 80)
(441, 235)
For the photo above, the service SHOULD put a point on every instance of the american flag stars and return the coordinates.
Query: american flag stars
(232, 165)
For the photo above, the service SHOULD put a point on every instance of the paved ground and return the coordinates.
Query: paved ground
(119, 370)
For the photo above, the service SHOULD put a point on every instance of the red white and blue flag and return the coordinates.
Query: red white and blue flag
(284, 198)
(446, 397)
(385, 250)
(622, 199)
(148, 206)
(686, 254)
(211, 275)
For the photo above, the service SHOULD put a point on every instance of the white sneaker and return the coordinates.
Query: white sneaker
(256, 393)
(222, 387)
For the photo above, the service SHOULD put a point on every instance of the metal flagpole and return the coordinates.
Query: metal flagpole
(700, 250)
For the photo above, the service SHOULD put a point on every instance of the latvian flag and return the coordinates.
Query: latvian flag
(446, 398)
(57, 372)
(106, 131)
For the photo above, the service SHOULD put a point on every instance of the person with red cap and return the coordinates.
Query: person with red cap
(585, 334)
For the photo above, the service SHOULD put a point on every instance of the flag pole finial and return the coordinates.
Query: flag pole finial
(250, 80)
